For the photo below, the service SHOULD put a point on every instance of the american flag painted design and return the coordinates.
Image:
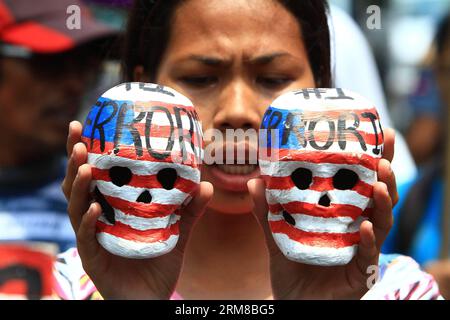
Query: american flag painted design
(144, 144)
(320, 172)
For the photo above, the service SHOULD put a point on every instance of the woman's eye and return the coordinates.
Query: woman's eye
(273, 82)
(199, 81)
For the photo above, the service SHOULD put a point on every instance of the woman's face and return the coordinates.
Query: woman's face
(232, 58)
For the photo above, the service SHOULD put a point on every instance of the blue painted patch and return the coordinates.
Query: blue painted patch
(107, 111)
(288, 126)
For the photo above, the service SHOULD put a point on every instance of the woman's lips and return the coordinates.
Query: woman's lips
(233, 177)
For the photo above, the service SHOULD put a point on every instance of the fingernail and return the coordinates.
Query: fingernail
(91, 208)
(69, 134)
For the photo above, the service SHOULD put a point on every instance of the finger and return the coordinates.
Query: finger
(74, 136)
(382, 217)
(367, 254)
(387, 175)
(86, 240)
(389, 142)
(79, 201)
(78, 157)
(257, 189)
(193, 211)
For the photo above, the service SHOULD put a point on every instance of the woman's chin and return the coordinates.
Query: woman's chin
(240, 206)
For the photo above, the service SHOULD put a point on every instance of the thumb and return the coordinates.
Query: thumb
(193, 211)
(257, 189)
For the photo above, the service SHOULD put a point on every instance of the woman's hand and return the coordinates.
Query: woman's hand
(116, 277)
(292, 280)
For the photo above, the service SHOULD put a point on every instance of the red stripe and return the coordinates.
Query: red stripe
(318, 184)
(412, 290)
(315, 239)
(157, 131)
(143, 210)
(320, 157)
(369, 138)
(427, 289)
(314, 210)
(129, 152)
(149, 181)
(337, 113)
(148, 236)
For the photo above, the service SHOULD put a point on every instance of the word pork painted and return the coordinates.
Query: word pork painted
(145, 145)
(320, 174)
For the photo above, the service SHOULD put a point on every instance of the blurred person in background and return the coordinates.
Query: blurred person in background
(354, 68)
(419, 229)
(45, 67)
(425, 133)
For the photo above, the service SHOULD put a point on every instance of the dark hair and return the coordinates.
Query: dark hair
(149, 24)
(443, 34)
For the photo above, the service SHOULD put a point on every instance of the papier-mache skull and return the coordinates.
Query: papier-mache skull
(324, 155)
(145, 145)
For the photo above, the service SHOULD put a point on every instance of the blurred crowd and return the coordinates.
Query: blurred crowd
(44, 84)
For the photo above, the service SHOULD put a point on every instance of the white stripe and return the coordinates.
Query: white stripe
(322, 256)
(350, 197)
(322, 170)
(129, 193)
(293, 101)
(142, 224)
(160, 119)
(142, 167)
(318, 224)
(364, 126)
(119, 92)
(133, 249)
(351, 146)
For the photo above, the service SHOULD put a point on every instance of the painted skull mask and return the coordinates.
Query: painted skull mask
(320, 173)
(145, 145)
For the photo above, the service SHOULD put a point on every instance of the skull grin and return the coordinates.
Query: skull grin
(144, 166)
(320, 188)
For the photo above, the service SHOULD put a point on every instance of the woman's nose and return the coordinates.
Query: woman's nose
(238, 108)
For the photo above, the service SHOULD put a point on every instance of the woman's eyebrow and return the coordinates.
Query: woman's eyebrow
(208, 60)
(266, 58)
(220, 62)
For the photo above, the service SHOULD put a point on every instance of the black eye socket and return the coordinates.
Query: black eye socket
(345, 179)
(167, 177)
(120, 175)
(302, 178)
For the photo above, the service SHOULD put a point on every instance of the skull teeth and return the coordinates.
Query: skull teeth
(108, 211)
(289, 219)
(237, 169)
